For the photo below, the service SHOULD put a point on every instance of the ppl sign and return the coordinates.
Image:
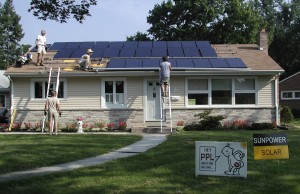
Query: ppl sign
(270, 146)
(221, 158)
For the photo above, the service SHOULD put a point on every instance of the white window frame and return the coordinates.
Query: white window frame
(233, 91)
(289, 91)
(114, 104)
(32, 88)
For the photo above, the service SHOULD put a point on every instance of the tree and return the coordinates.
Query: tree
(11, 33)
(139, 36)
(286, 115)
(61, 10)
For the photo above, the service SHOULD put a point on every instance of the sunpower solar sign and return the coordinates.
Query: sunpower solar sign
(270, 146)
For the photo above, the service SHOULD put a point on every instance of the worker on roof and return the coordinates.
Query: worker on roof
(85, 60)
(40, 44)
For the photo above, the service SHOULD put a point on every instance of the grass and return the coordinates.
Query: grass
(170, 168)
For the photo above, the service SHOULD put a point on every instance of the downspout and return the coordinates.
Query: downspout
(11, 95)
(277, 100)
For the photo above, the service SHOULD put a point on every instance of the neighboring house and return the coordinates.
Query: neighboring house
(238, 81)
(290, 92)
(4, 92)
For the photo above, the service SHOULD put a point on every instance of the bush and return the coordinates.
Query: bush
(286, 115)
(209, 122)
(261, 126)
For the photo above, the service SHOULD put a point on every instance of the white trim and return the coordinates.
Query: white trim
(289, 91)
(44, 80)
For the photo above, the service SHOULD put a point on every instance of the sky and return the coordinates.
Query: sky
(111, 20)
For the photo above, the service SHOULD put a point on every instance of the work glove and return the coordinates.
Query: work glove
(59, 113)
(46, 48)
(45, 112)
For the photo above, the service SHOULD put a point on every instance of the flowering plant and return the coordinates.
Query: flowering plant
(122, 125)
(180, 123)
(110, 126)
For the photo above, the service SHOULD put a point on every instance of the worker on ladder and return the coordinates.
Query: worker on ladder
(165, 68)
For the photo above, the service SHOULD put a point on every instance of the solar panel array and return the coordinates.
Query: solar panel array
(105, 49)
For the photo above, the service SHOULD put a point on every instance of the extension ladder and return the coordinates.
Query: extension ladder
(47, 94)
(12, 119)
(165, 107)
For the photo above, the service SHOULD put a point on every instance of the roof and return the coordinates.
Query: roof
(185, 56)
(289, 83)
(4, 81)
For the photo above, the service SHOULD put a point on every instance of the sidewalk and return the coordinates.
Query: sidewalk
(148, 141)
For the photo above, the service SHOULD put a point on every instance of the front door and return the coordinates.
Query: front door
(153, 112)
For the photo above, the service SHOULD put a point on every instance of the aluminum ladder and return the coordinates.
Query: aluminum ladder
(165, 106)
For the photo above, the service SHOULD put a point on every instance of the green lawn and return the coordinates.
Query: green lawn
(170, 168)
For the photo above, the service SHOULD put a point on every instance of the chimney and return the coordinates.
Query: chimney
(263, 41)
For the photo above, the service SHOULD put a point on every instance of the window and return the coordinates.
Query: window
(40, 89)
(290, 95)
(2, 101)
(197, 92)
(244, 91)
(221, 91)
(114, 92)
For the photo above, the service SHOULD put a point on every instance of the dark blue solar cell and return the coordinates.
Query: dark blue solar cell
(111, 52)
(134, 63)
(101, 44)
(145, 44)
(191, 52)
(159, 52)
(72, 45)
(201, 44)
(86, 45)
(159, 44)
(130, 44)
(116, 63)
(188, 44)
(185, 63)
(202, 63)
(173, 62)
(175, 52)
(64, 53)
(78, 52)
(57, 46)
(127, 52)
(98, 53)
(151, 63)
(116, 44)
(235, 63)
(208, 52)
(143, 52)
(218, 63)
(174, 44)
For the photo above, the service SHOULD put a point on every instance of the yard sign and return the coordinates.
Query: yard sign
(221, 158)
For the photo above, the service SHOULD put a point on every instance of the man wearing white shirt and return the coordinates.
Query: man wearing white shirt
(40, 44)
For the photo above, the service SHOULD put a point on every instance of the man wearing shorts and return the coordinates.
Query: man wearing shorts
(40, 44)
(165, 68)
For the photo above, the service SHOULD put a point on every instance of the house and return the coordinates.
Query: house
(238, 81)
(4, 92)
(290, 92)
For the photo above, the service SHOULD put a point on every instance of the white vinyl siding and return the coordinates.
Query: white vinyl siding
(266, 91)
(135, 92)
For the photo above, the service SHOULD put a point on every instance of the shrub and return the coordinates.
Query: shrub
(110, 126)
(237, 124)
(180, 123)
(17, 126)
(191, 127)
(209, 122)
(100, 124)
(262, 126)
(286, 115)
(122, 125)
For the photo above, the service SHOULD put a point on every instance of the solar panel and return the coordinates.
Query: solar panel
(173, 62)
(143, 44)
(235, 63)
(159, 51)
(134, 63)
(143, 52)
(188, 44)
(72, 45)
(77, 53)
(64, 53)
(173, 44)
(116, 44)
(159, 44)
(202, 63)
(101, 44)
(98, 52)
(130, 44)
(208, 52)
(57, 46)
(185, 63)
(202, 44)
(218, 63)
(191, 52)
(111, 52)
(151, 63)
(116, 63)
(127, 52)
(86, 45)
(175, 52)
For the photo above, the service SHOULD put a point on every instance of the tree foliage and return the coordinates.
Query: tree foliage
(139, 36)
(61, 10)
(11, 34)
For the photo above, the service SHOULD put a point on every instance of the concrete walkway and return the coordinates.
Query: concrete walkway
(148, 141)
